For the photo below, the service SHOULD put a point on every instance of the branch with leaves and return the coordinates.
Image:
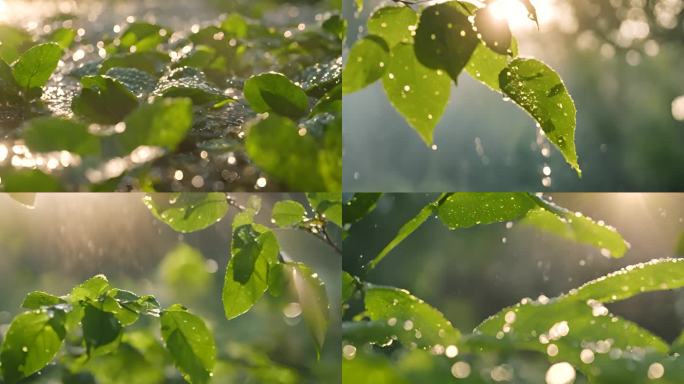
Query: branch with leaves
(417, 50)
(256, 265)
(575, 331)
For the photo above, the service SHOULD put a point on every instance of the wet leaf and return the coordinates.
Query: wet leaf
(35, 66)
(32, 341)
(366, 64)
(464, 209)
(287, 213)
(153, 63)
(273, 92)
(393, 24)
(577, 227)
(407, 229)
(140, 83)
(276, 146)
(188, 212)
(327, 204)
(37, 299)
(190, 343)
(414, 321)
(235, 25)
(190, 83)
(360, 205)
(104, 100)
(485, 65)
(9, 90)
(51, 134)
(253, 249)
(539, 90)
(90, 289)
(418, 93)
(101, 331)
(445, 38)
(163, 123)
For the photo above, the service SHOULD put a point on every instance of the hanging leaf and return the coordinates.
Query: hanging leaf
(538, 89)
(418, 93)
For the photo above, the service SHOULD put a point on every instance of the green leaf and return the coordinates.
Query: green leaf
(349, 285)
(50, 134)
(14, 42)
(407, 229)
(578, 320)
(445, 38)
(655, 275)
(140, 83)
(29, 180)
(493, 31)
(32, 341)
(37, 299)
(274, 92)
(418, 93)
(360, 333)
(328, 205)
(142, 37)
(184, 270)
(577, 227)
(410, 317)
(35, 66)
(276, 146)
(163, 123)
(9, 91)
(539, 90)
(63, 37)
(235, 25)
(288, 213)
(366, 64)
(190, 83)
(103, 100)
(485, 65)
(90, 289)
(253, 249)
(101, 331)
(360, 205)
(464, 209)
(393, 24)
(151, 62)
(127, 364)
(312, 298)
(188, 212)
(190, 343)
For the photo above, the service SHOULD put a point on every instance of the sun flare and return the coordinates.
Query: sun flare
(516, 14)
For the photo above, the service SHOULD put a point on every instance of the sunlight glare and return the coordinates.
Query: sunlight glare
(518, 18)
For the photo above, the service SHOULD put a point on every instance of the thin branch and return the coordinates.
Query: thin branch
(314, 226)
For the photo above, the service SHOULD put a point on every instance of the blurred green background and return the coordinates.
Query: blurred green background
(622, 62)
(470, 274)
(67, 238)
